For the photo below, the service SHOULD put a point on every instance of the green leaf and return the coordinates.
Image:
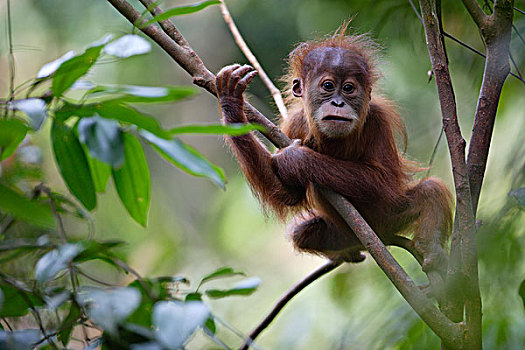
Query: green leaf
(245, 287)
(110, 308)
(230, 129)
(69, 323)
(127, 114)
(35, 108)
(100, 172)
(12, 132)
(73, 69)
(128, 45)
(210, 325)
(220, 273)
(186, 157)
(17, 301)
(142, 94)
(73, 164)
(193, 296)
(49, 68)
(133, 181)
(175, 321)
(103, 139)
(55, 261)
(24, 209)
(181, 10)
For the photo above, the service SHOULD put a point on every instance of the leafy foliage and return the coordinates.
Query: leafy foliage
(94, 138)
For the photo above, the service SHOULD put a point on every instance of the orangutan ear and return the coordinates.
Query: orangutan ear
(297, 87)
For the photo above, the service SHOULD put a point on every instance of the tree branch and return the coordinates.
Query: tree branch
(167, 25)
(285, 298)
(496, 36)
(192, 63)
(447, 330)
(476, 12)
(463, 249)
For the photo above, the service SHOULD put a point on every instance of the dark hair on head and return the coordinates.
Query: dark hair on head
(361, 44)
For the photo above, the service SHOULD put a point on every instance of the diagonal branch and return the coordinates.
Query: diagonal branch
(186, 57)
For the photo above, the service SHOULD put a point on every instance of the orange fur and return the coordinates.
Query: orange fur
(365, 166)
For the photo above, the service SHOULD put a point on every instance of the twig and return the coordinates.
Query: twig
(131, 270)
(276, 94)
(518, 34)
(229, 327)
(91, 278)
(416, 11)
(285, 298)
(62, 234)
(22, 292)
(433, 155)
(38, 319)
(515, 67)
(216, 339)
(7, 324)
(462, 43)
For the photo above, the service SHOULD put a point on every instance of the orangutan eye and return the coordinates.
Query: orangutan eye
(349, 88)
(328, 86)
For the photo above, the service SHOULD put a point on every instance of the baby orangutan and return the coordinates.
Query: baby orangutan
(345, 141)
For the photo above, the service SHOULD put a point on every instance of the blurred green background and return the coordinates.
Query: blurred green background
(194, 227)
